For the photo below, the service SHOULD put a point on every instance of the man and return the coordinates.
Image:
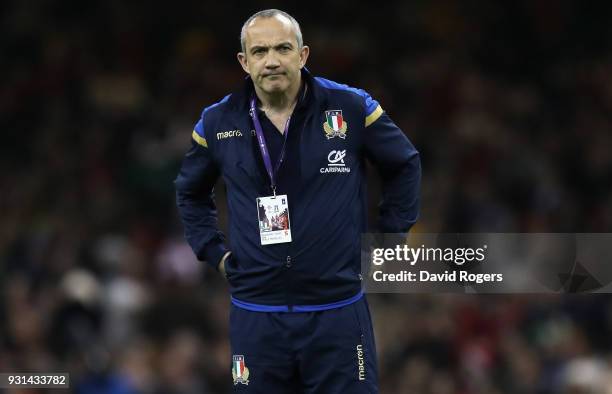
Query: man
(292, 144)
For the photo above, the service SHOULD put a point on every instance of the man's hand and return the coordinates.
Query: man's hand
(221, 266)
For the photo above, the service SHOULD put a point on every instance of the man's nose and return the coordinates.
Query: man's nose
(272, 60)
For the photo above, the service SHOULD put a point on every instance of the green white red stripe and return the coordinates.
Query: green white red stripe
(238, 366)
(334, 120)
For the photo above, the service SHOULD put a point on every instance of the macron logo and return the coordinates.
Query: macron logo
(360, 363)
(228, 134)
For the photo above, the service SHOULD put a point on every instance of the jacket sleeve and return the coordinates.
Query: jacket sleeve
(195, 199)
(399, 166)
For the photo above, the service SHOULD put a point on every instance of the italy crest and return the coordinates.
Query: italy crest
(335, 125)
(240, 373)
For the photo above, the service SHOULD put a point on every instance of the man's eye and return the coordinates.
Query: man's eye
(285, 49)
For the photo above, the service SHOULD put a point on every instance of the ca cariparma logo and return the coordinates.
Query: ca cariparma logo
(335, 163)
(335, 125)
(240, 373)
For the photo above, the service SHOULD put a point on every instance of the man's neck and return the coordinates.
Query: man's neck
(279, 103)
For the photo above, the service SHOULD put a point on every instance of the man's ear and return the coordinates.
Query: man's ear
(243, 61)
(304, 52)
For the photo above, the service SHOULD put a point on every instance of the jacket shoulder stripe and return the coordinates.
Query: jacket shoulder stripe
(373, 117)
(199, 140)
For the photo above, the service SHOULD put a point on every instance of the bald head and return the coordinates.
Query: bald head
(281, 16)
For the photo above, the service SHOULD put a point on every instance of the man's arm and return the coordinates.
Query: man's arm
(195, 199)
(399, 166)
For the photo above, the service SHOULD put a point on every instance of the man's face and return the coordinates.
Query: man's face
(272, 57)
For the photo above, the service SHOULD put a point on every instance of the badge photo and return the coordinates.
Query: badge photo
(273, 217)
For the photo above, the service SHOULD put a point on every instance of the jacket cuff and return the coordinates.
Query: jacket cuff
(213, 253)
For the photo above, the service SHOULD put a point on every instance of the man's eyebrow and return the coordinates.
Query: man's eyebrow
(257, 47)
(282, 44)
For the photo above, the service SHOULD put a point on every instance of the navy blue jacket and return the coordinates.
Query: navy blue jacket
(327, 203)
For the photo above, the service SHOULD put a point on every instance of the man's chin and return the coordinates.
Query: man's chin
(275, 88)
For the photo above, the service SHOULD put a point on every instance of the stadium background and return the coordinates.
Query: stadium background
(509, 103)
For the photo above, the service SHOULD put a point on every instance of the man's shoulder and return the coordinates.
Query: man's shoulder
(210, 117)
(340, 88)
(217, 108)
(355, 94)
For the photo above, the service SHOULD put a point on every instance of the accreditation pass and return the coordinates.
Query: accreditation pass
(273, 216)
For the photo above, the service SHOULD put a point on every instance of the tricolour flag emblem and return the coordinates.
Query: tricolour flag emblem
(334, 119)
(240, 373)
(334, 125)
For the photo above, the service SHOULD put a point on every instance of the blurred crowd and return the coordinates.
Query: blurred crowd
(509, 103)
